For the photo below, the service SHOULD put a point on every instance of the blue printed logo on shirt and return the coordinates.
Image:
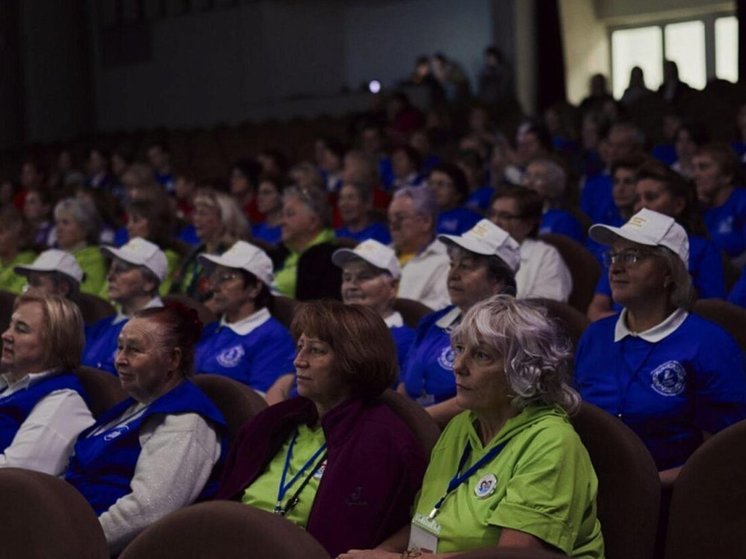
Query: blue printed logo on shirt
(116, 432)
(231, 357)
(668, 379)
(447, 358)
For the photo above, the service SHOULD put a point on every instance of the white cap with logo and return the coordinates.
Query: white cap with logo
(649, 228)
(141, 252)
(488, 239)
(374, 253)
(53, 260)
(244, 256)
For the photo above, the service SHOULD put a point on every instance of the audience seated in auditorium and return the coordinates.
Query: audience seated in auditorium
(269, 204)
(37, 211)
(355, 203)
(54, 272)
(542, 272)
(449, 186)
(357, 464)
(161, 448)
(14, 249)
(412, 218)
(159, 157)
(247, 343)
(243, 184)
(483, 262)
(42, 403)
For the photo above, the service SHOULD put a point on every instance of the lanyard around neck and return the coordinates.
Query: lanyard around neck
(283, 488)
(460, 478)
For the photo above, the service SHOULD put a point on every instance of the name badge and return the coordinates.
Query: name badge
(485, 486)
(423, 534)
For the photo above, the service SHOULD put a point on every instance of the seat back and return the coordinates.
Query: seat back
(584, 268)
(237, 402)
(728, 316)
(570, 320)
(224, 529)
(411, 311)
(707, 515)
(103, 389)
(206, 316)
(7, 299)
(93, 308)
(284, 309)
(424, 427)
(628, 484)
(44, 516)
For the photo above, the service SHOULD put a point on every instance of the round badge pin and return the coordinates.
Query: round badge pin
(485, 486)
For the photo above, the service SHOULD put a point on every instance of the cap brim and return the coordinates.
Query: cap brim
(215, 260)
(472, 245)
(607, 235)
(122, 255)
(342, 256)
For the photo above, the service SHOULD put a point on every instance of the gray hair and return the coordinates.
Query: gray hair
(234, 221)
(681, 291)
(314, 199)
(85, 213)
(423, 201)
(538, 359)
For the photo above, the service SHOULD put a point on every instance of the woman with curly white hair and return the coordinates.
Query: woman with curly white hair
(510, 471)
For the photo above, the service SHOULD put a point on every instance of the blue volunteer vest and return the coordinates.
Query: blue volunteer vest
(101, 344)
(103, 463)
(14, 409)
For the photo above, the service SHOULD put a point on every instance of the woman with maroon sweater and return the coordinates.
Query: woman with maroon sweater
(335, 460)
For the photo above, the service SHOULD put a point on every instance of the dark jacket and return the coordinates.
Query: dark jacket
(374, 468)
(318, 277)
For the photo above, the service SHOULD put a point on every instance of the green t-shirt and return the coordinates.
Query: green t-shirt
(9, 280)
(263, 492)
(286, 278)
(542, 483)
(92, 262)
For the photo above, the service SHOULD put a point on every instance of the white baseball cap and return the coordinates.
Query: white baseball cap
(244, 256)
(141, 252)
(53, 260)
(649, 228)
(374, 253)
(488, 239)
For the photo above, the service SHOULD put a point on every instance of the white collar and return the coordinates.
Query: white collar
(654, 334)
(394, 320)
(155, 302)
(25, 382)
(449, 319)
(247, 325)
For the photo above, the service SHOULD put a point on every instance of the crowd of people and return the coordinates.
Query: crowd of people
(409, 206)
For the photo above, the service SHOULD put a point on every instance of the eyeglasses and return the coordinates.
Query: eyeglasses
(119, 267)
(396, 220)
(218, 278)
(504, 216)
(628, 257)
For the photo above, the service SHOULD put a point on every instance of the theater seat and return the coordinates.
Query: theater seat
(43, 516)
(237, 402)
(570, 320)
(227, 530)
(206, 316)
(424, 427)
(93, 308)
(103, 389)
(6, 309)
(411, 311)
(284, 309)
(584, 269)
(707, 518)
(628, 484)
(728, 316)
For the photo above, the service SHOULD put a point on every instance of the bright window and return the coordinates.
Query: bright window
(685, 45)
(636, 47)
(726, 48)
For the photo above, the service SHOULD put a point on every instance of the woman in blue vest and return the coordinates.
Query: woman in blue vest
(42, 407)
(156, 451)
(247, 344)
(483, 263)
(671, 376)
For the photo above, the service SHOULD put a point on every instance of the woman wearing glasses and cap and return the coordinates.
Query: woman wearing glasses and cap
(669, 375)
(135, 274)
(247, 344)
(483, 263)
(54, 272)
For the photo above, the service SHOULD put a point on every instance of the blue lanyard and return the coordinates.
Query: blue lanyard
(460, 478)
(283, 488)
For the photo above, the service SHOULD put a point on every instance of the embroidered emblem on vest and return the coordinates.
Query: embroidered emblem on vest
(231, 357)
(668, 379)
(447, 358)
(116, 433)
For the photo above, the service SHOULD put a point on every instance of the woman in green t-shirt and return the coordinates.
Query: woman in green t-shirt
(510, 471)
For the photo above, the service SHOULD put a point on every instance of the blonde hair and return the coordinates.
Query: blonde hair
(235, 224)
